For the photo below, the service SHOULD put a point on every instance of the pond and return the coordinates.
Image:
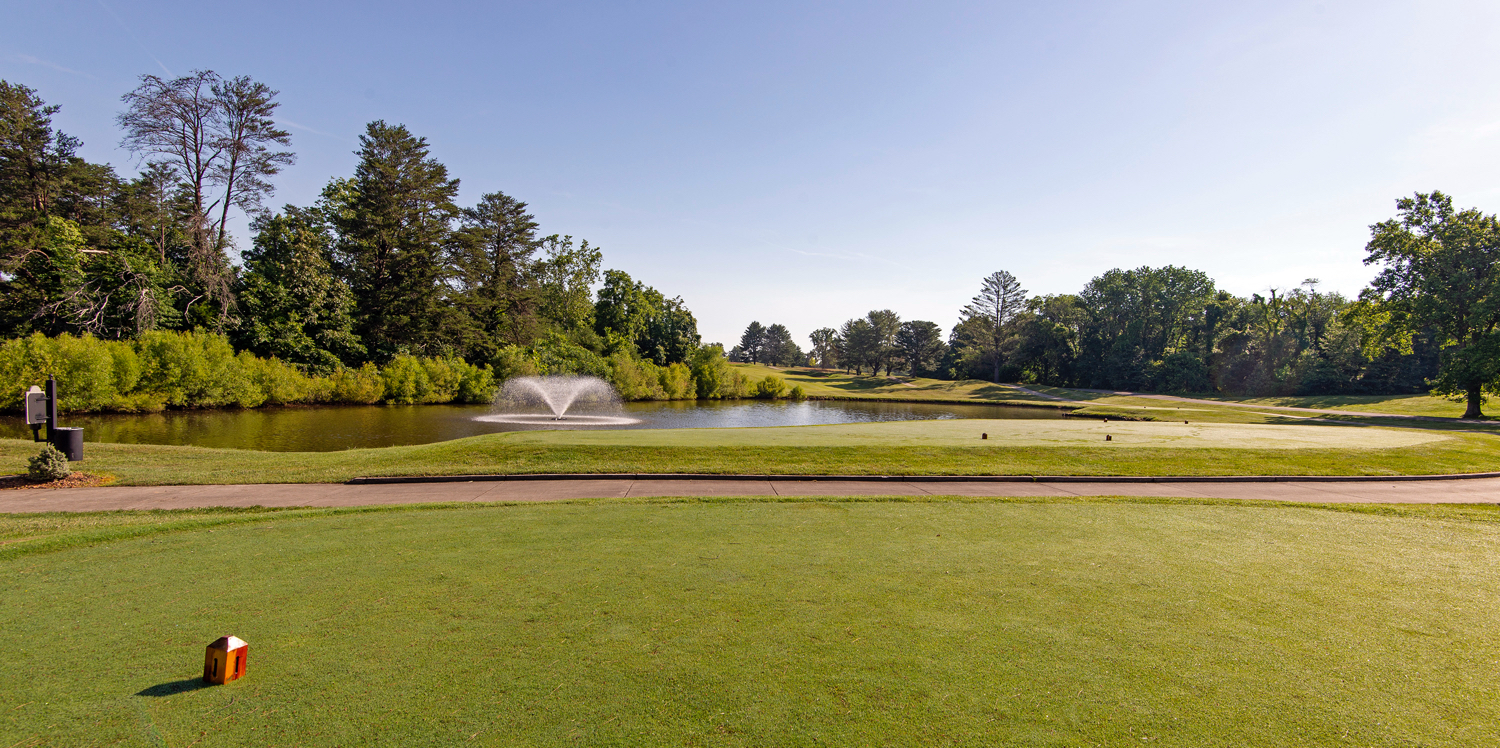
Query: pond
(331, 428)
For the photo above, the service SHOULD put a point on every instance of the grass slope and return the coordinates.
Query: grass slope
(837, 384)
(758, 623)
(1401, 405)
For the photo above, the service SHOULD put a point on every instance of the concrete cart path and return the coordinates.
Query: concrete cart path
(1468, 491)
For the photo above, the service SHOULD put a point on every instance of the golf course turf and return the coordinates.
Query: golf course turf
(780, 622)
(762, 623)
(1014, 447)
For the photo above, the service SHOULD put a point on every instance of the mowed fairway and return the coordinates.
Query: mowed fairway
(1008, 433)
(767, 624)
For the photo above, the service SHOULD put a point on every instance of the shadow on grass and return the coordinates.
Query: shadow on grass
(1074, 393)
(174, 687)
(1305, 401)
(997, 392)
(861, 383)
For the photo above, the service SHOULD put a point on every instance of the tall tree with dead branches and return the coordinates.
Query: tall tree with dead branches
(217, 138)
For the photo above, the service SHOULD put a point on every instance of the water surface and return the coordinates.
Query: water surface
(331, 428)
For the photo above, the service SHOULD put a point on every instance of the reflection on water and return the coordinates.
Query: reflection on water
(330, 428)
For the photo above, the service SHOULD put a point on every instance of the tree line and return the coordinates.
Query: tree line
(1429, 322)
(384, 264)
(385, 267)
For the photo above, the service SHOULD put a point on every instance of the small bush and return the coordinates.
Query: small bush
(477, 384)
(50, 465)
(677, 382)
(711, 373)
(769, 388)
(362, 386)
(798, 393)
(406, 381)
(635, 380)
(443, 378)
(736, 386)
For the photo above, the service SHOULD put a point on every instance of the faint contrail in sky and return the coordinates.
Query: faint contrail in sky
(133, 37)
(39, 61)
(297, 126)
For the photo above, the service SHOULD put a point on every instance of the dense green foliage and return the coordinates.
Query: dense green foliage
(1442, 273)
(384, 289)
(386, 269)
(768, 345)
(1429, 322)
(161, 369)
(1170, 329)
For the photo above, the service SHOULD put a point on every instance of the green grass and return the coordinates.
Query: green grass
(1401, 405)
(1217, 440)
(1061, 434)
(739, 623)
(837, 384)
(1015, 447)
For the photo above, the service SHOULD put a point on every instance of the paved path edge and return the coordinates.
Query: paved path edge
(397, 479)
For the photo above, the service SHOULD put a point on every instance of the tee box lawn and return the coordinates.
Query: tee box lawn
(941, 622)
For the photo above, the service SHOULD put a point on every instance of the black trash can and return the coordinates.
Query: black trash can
(68, 440)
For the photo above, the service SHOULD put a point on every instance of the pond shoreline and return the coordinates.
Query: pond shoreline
(828, 398)
(316, 428)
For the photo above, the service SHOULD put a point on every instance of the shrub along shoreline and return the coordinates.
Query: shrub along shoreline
(164, 369)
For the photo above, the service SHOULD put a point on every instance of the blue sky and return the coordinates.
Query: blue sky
(804, 163)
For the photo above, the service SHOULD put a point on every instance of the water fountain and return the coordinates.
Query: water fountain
(566, 400)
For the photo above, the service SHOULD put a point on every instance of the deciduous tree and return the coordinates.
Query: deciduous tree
(1441, 267)
(1136, 317)
(217, 139)
(564, 278)
(825, 347)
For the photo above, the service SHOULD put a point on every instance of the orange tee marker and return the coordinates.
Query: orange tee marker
(225, 659)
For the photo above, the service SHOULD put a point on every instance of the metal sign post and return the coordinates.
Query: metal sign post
(51, 407)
